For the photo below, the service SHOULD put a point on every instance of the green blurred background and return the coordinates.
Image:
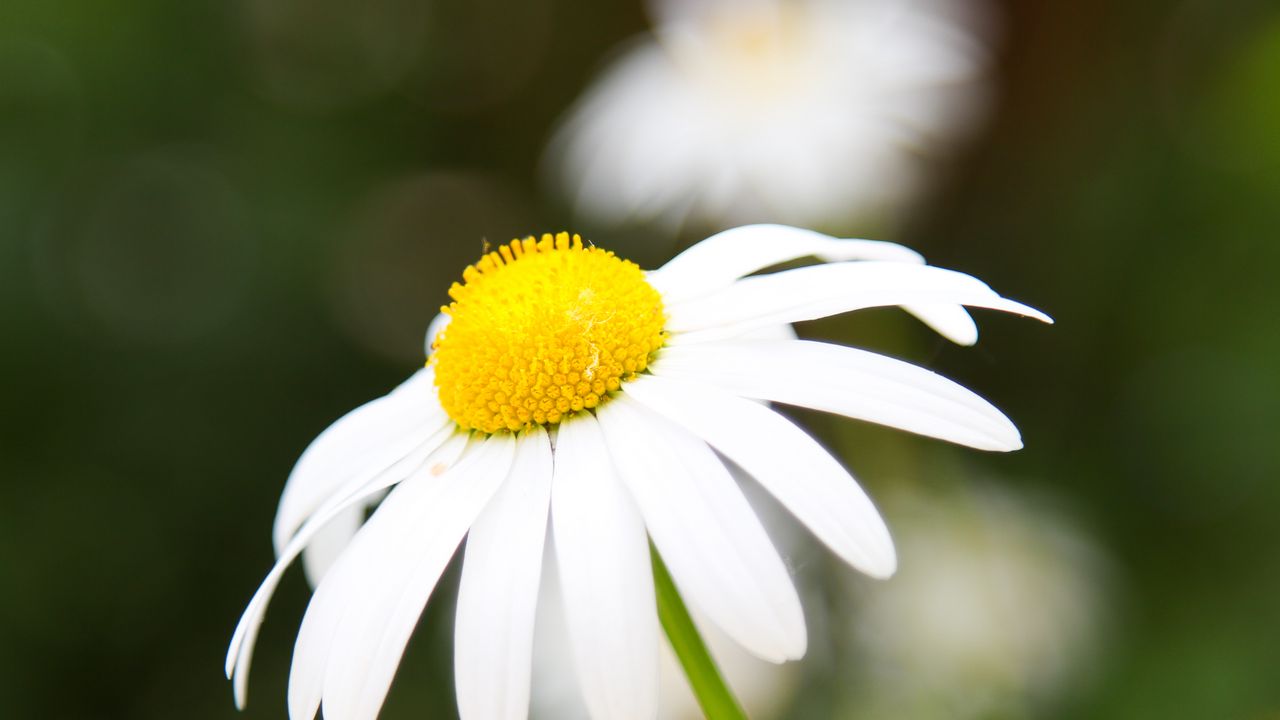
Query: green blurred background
(223, 224)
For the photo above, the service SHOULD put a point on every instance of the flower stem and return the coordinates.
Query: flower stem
(714, 697)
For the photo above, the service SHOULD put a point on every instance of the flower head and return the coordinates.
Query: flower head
(807, 111)
(568, 384)
(542, 329)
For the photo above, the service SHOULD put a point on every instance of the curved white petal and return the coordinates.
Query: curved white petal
(716, 262)
(605, 577)
(360, 618)
(847, 381)
(785, 461)
(818, 291)
(439, 451)
(719, 260)
(950, 321)
(312, 647)
(369, 438)
(327, 544)
(719, 555)
(502, 565)
(773, 332)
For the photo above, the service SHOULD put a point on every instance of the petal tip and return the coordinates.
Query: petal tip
(1025, 310)
(798, 652)
(1010, 441)
(881, 568)
(881, 573)
(1038, 315)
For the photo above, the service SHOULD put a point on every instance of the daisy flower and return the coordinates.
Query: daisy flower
(802, 111)
(567, 384)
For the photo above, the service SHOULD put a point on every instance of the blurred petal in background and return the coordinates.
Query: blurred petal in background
(998, 610)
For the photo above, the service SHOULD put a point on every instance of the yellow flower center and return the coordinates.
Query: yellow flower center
(541, 329)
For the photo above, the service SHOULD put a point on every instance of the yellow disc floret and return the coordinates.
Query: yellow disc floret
(541, 329)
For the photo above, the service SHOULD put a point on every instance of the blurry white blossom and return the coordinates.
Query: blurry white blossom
(997, 609)
(809, 111)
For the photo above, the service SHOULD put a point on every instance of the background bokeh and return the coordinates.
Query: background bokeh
(223, 224)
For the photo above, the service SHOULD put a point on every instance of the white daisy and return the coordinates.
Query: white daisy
(999, 610)
(570, 384)
(803, 111)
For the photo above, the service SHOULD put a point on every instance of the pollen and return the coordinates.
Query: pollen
(543, 328)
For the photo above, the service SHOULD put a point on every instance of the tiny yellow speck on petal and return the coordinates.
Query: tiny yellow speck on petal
(541, 329)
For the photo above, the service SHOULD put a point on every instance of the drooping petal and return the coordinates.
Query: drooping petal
(327, 544)
(719, 554)
(320, 624)
(952, 322)
(847, 381)
(718, 261)
(367, 439)
(715, 263)
(438, 451)
(605, 578)
(502, 566)
(360, 618)
(818, 291)
(785, 461)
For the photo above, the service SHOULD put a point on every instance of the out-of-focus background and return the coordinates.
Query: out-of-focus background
(223, 224)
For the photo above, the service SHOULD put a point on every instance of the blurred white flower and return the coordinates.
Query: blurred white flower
(998, 608)
(800, 111)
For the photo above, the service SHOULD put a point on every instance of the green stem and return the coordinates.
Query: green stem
(714, 697)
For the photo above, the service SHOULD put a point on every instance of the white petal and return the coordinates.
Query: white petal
(726, 256)
(818, 291)
(606, 578)
(320, 624)
(361, 616)
(847, 381)
(493, 634)
(438, 451)
(950, 321)
(716, 262)
(369, 438)
(762, 688)
(785, 461)
(327, 544)
(772, 332)
(719, 555)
